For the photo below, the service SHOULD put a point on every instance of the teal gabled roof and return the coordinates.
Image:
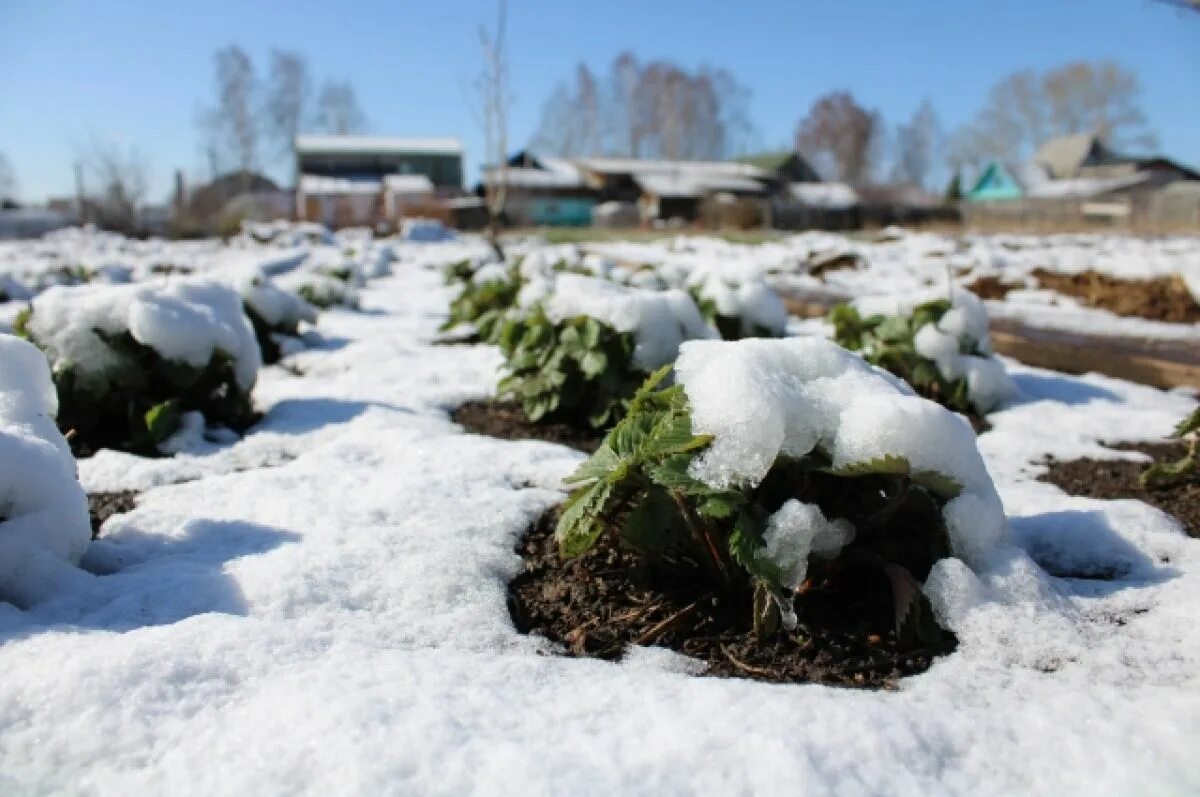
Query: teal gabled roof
(998, 182)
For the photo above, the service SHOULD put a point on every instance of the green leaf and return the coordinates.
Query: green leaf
(162, 420)
(1189, 424)
(580, 525)
(597, 466)
(593, 363)
(887, 464)
(941, 485)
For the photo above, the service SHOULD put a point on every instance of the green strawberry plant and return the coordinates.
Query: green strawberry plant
(1182, 471)
(458, 271)
(139, 402)
(887, 341)
(484, 304)
(579, 371)
(637, 488)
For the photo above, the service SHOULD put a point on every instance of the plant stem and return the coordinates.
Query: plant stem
(706, 543)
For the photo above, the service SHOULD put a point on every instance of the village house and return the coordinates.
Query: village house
(369, 180)
(1076, 182)
(546, 190)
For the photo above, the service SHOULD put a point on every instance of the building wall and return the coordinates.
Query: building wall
(445, 171)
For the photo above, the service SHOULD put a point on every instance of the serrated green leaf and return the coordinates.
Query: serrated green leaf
(580, 526)
(945, 487)
(887, 464)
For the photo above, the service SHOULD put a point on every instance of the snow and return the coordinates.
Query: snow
(797, 531)
(44, 525)
(963, 328)
(320, 608)
(659, 320)
(760, 398)
(184, 320)
(741, 291)
(277, 307)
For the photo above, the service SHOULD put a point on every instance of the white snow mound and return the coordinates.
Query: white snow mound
(274, 305)
(183, 320)
(659, 320)
(43, 508)
(760, 398)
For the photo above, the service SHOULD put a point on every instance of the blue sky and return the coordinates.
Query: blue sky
(136, 72)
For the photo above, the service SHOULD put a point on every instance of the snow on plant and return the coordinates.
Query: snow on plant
(939, 346)
(485, 298)
(740, 304)
(774, 459)
(581, 351)
(1183, 470)
(275, 314)
(320, 290)
(130, 361)
(43, 509)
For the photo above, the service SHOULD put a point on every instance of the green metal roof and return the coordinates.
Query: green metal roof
(768, 161)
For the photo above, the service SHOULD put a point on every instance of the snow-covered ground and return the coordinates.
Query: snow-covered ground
(320, 608)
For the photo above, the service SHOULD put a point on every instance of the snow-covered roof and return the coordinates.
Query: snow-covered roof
(638, 166)
(1085, 186)
(835, 196)
(408, 184)
(694, 183)
(526, 177)
(319, 184)
(313, 145)
(559, 166)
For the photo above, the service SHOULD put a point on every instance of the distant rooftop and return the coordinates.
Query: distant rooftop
(314, 145)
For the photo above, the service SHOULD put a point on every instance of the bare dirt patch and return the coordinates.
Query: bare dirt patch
(1161, 299)
(1101, 478)
(608, 599)
(507, 421)
(989, 287)
(102, 506)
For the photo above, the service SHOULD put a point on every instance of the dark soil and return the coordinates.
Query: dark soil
(608, 599)
(1093, 478)
(1162, 299)
(823, 264)
(988, 287)
(102, 506)
(506, 421)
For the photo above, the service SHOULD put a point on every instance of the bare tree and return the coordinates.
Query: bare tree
(916, 144)
(495, 98)
(1025, 108)
(288, 92)
(647, 110)
(338, 111)
(8, 182)
(1101, 98)
(212, 146)
(570, 121)
(121, 179)
(841, 135)
(237, 88)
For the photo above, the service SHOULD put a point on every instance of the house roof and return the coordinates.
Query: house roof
(1084, 187)
(529, 177)
(639, 166)
(769, 161)
(1065, 155)
(832, 196)
(694, 183)
(359, 145)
